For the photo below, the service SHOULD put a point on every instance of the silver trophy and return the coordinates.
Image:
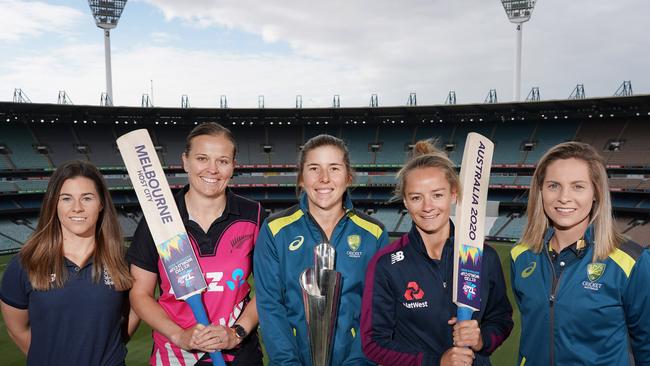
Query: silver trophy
(321, 289)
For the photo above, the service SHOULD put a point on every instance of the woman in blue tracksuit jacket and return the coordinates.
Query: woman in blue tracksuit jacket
(285, 248)
(582, 289)
(408, 314)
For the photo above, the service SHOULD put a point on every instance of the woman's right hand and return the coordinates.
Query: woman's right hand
(457, 356)
(199, 337)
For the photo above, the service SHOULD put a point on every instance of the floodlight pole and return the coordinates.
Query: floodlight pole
(107, 13)
(518, 12)
(109, 76)
(516, 87)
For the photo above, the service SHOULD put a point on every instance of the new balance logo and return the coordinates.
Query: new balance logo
(396, 257)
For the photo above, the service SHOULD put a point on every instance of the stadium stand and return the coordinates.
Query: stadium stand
(548, 134)
(100, 140)
(32, 185)
(633, 150)
(514, 228)
(388, 216)
(502, 179)
(5, 164)
(460, 134)
(18, 138)
(60, 141)
(500, 222)
(358, 138)
(285, 141)
(598, 133)
(508, 140)
(437, 131)
(171, 139)
(7, 186)
(394, 142)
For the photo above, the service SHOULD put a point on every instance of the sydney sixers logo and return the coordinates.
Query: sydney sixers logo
(413, 291)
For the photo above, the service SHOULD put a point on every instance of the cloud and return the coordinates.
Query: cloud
(434, 46)
(24, 19)
(352, 49)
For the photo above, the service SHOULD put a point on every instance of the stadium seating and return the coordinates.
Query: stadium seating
(100, 139)
(7, 186)
(358, 137)
(394, 141)
(387, 216)
(285, 141)
(250, 141)
(508, 139)
(459, 136)
(549, 133)
(18, 138)
(635, 150)
(32, 185)
(13, 233)
(60, 140)
(4, 163)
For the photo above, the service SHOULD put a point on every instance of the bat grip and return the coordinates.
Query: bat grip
(201, 317)
(464, 313)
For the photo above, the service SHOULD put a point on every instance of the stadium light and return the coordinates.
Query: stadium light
(518, 12)
(107, 13)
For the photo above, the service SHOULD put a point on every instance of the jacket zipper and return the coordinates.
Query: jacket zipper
(552, 299)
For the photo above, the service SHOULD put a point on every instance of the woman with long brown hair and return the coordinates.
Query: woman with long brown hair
(64, 296)
(580, 285)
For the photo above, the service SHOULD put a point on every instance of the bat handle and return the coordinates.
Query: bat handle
(201, 317)
(464, 313)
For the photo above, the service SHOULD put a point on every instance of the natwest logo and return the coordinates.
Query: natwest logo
(413, 291)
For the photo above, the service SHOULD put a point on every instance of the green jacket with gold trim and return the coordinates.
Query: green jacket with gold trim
(594, 313)
(284, 249)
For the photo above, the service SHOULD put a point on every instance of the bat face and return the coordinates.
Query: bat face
(470, 220)
(161, 214)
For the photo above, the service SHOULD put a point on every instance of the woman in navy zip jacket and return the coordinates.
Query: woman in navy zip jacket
(285, 248)
(580, 286)
(408, 314)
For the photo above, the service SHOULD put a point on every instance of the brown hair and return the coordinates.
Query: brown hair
(606, 236)
(42, 254)
(425, 154)
(319, 141)
(212, 129)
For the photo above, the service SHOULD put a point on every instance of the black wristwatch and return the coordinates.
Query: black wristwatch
(240, 332)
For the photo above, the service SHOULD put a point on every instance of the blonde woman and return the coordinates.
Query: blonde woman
(581, 287)
(408, 316)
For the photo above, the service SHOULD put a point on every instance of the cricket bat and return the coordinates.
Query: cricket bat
(470, 224)
(165, 223)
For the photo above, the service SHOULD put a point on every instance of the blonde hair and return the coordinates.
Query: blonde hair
(606, 236)
(425, 154)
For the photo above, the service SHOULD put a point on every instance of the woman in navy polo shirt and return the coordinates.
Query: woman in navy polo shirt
(64, 296)
(408, 316)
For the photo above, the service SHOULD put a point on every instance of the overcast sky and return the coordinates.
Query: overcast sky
(279, 49)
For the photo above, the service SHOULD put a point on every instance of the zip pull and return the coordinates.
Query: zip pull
(551, 299)
(444, 284)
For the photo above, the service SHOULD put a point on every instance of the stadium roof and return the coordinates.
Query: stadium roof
(547, 109)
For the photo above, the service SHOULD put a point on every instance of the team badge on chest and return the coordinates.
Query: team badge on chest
(595, 271)
(354, 243)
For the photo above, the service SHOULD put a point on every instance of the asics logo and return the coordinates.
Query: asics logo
(296, 243)
(529, 270)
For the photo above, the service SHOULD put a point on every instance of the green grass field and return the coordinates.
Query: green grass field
(140, 346)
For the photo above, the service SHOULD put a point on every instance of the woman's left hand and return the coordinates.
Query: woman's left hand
(226, 338)
(467, 334)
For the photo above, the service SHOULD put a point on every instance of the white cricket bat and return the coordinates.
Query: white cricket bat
(470, 224)
(165, 223)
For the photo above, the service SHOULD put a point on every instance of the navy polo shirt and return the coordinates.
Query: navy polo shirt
(78, 324)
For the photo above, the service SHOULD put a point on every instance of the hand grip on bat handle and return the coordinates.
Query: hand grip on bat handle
(464, 313)
(202, 318)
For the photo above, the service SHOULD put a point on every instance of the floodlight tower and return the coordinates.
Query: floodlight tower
(519, 12)
(107, 13)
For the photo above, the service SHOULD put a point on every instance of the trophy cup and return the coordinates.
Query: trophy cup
(321, 289)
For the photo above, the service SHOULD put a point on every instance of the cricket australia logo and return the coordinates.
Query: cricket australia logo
(354, 242)
(296, 243)
(396, 257)
(594, 273)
